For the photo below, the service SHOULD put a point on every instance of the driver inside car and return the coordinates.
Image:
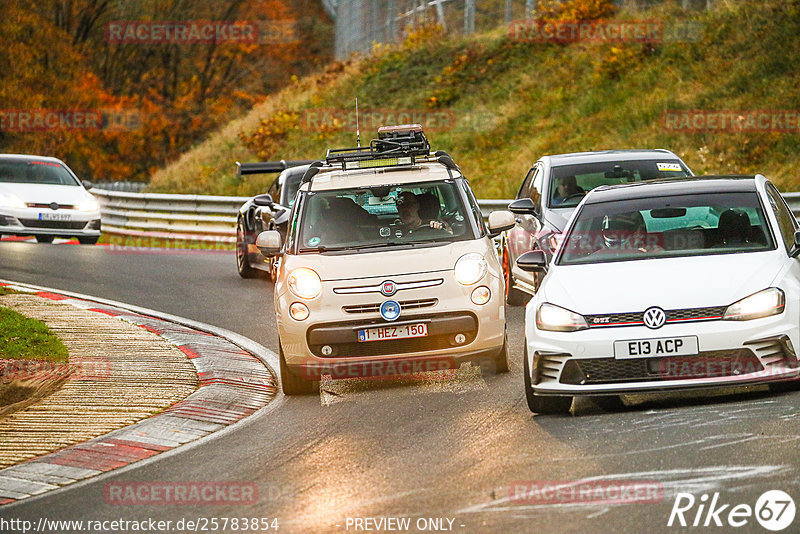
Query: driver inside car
(566, 188)
(408, 209)
(626, 233)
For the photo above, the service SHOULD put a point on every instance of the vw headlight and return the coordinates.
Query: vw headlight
(90, 204)
(770, 301)
(558, 319)
(7, 200)
(470, 268)
(305, 283)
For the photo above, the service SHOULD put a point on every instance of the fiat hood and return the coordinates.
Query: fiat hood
(389, 262)
(670, 283)
(46, 193)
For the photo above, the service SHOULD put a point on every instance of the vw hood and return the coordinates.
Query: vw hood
(46, 193)
(670, 283)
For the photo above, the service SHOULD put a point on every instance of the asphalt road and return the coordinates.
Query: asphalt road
(451, 447)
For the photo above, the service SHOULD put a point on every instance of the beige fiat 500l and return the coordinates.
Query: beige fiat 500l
(388, 268)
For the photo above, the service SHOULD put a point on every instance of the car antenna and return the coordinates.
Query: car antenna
(358, 133)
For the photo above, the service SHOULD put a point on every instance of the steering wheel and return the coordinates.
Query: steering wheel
(574, 195)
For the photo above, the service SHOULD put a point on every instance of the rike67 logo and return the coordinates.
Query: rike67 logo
(774, 510)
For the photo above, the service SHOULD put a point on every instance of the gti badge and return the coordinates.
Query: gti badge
(388, 288)
(654, 317)
(390, 310)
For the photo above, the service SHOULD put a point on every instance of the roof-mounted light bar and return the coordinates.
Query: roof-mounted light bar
(395, 146)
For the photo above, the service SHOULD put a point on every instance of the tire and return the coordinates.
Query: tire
(273, 271)
(785, 386)
(293, 384)
(44, 239)
(542, 405)
(242, 262)
(609, 403)
(501, 360)
(88, 240)
(514, 297)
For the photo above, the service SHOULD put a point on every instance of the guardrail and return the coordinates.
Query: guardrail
(205, 218)
(170, 217)
(201, 218)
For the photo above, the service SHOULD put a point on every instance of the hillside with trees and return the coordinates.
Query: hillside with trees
(118, 106)
(502, 101)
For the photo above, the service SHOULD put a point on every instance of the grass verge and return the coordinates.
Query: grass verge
(23, 338)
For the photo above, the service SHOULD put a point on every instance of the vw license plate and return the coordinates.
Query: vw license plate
(665, 346)
(393, 332)
(45, 216)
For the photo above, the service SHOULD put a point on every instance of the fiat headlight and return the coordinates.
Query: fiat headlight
(305, 283)
(470, 268)
(770, 301)
(558, 319)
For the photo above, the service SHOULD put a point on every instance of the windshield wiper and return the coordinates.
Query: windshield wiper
(379, 245)
(323, 248)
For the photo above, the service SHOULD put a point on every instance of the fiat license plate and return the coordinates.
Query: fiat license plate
(393, 332)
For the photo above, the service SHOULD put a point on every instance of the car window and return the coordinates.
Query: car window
(535, 193)
(291, 187)
(786, 220)
(367, 217)
(275, 190)
(670, 226)
(476, 210)
(525, 188)
(35, 172)
(569, 183)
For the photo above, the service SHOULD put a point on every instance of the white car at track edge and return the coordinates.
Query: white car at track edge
(41, 197)
(674, 284)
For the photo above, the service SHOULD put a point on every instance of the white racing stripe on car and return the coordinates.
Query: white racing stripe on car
(462, 380)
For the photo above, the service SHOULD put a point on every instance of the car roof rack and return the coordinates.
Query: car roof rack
(396, 146)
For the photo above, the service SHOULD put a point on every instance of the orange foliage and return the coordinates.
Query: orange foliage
(156, 99)
(575, 9)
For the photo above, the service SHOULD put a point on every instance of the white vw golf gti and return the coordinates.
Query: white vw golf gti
(42, 197)
(666, 285)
